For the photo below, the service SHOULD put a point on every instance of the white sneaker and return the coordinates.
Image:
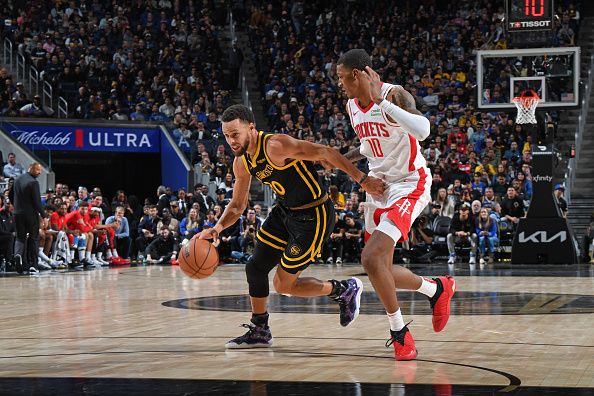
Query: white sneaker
(43, 265)
(452, 259)
(472, 260)
(330, 261)
(481, 261)
(103, 262)
(33, 271)
(338, 261)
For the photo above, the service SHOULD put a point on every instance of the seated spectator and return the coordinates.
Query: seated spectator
(168, 221)
(462, 230)
(34, 109)
(445, 202)
(227, 184)
(183, 204)
(175, 210)
(147, 230)
(353, 234)
(222, 199)
(163, 249)
(163, 200)
(121, 251)
(489, 199)
(486, 229)
(333, 247)
(190, 225)
(12, 168)
(512, 207)
(561, 202)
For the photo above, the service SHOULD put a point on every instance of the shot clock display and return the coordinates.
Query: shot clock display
(529, 15)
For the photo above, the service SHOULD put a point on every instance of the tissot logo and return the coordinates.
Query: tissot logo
(539, 178)
(529, 24)
(541, 237)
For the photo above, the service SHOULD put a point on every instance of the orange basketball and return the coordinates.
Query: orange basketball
(198, 258)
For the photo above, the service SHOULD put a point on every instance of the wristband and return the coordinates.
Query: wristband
(363, 179)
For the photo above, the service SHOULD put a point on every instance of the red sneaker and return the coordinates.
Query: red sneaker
(174, 262)
(440, 302)
(404, 344)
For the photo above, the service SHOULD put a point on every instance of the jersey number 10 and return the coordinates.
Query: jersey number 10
(376, 147)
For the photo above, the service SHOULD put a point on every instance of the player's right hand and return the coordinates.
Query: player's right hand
(374, 186)
(209, 233)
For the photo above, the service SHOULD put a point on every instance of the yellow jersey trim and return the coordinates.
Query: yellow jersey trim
(263, 231)
(290, 164)
(269, 243)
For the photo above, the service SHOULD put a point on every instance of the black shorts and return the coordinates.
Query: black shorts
(295, 237)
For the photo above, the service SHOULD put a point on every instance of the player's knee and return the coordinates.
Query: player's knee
(257, 279)
(282, 287)
(370, 260)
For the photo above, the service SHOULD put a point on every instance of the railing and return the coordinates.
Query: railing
(62, 107)
(20, 67)
(48, 92)
(34, 79)
(572, 165)
(7, 52)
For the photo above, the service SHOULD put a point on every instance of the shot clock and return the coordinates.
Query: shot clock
(529, 15)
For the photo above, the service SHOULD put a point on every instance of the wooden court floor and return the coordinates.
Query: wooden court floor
(151, 330)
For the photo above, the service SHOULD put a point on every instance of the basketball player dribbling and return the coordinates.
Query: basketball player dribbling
(389, 127)
(298, 224)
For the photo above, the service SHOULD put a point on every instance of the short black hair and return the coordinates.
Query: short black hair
(238, 111)
(355, 59)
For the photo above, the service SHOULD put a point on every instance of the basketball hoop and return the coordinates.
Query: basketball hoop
(526, 104)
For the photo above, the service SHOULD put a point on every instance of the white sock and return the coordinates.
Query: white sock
(43, 256)
(108, 254)
(396, 320)
(428, 287)
(115, 253)
(72, 250)
(99, 255)
(88, 255)
(81, 254)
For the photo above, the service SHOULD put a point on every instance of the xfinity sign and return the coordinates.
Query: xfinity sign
(539, 178)
(541, 237)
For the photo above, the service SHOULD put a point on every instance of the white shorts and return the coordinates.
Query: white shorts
(401, 204)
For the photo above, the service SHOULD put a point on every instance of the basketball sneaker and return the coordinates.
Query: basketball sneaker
(440, 302)
(349, 301)
(256, 337)
(404, 344)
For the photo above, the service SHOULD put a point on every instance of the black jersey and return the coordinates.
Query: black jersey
(295, 183)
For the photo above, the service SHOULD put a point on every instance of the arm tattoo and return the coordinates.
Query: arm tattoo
(354, 155)
(405, 101)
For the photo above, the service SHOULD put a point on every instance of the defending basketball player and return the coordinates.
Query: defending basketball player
(298, 224)
(389, 127)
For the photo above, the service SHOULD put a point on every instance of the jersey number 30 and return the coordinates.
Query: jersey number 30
(376, 147)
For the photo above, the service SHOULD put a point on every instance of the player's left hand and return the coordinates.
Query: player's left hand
(375, 84)
(374, 186)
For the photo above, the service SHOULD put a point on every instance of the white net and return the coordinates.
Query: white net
(526, 106)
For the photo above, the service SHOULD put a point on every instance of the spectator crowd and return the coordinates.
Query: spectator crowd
(160, 61)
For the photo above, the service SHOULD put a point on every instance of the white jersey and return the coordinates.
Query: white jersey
(393, 154)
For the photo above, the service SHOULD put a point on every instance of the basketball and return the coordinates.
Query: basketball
(198, 259)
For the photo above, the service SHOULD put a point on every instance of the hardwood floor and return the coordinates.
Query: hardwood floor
(511, 329)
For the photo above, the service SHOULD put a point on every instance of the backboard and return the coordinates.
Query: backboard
(553, 73)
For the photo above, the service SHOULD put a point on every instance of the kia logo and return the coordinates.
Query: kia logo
(541, 237)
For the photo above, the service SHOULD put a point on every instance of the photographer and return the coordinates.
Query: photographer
(248, 227)
(163, 249)
(462, 229)
(420, 240)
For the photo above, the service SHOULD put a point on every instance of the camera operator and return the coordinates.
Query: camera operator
(419, 244)
(248, 227)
